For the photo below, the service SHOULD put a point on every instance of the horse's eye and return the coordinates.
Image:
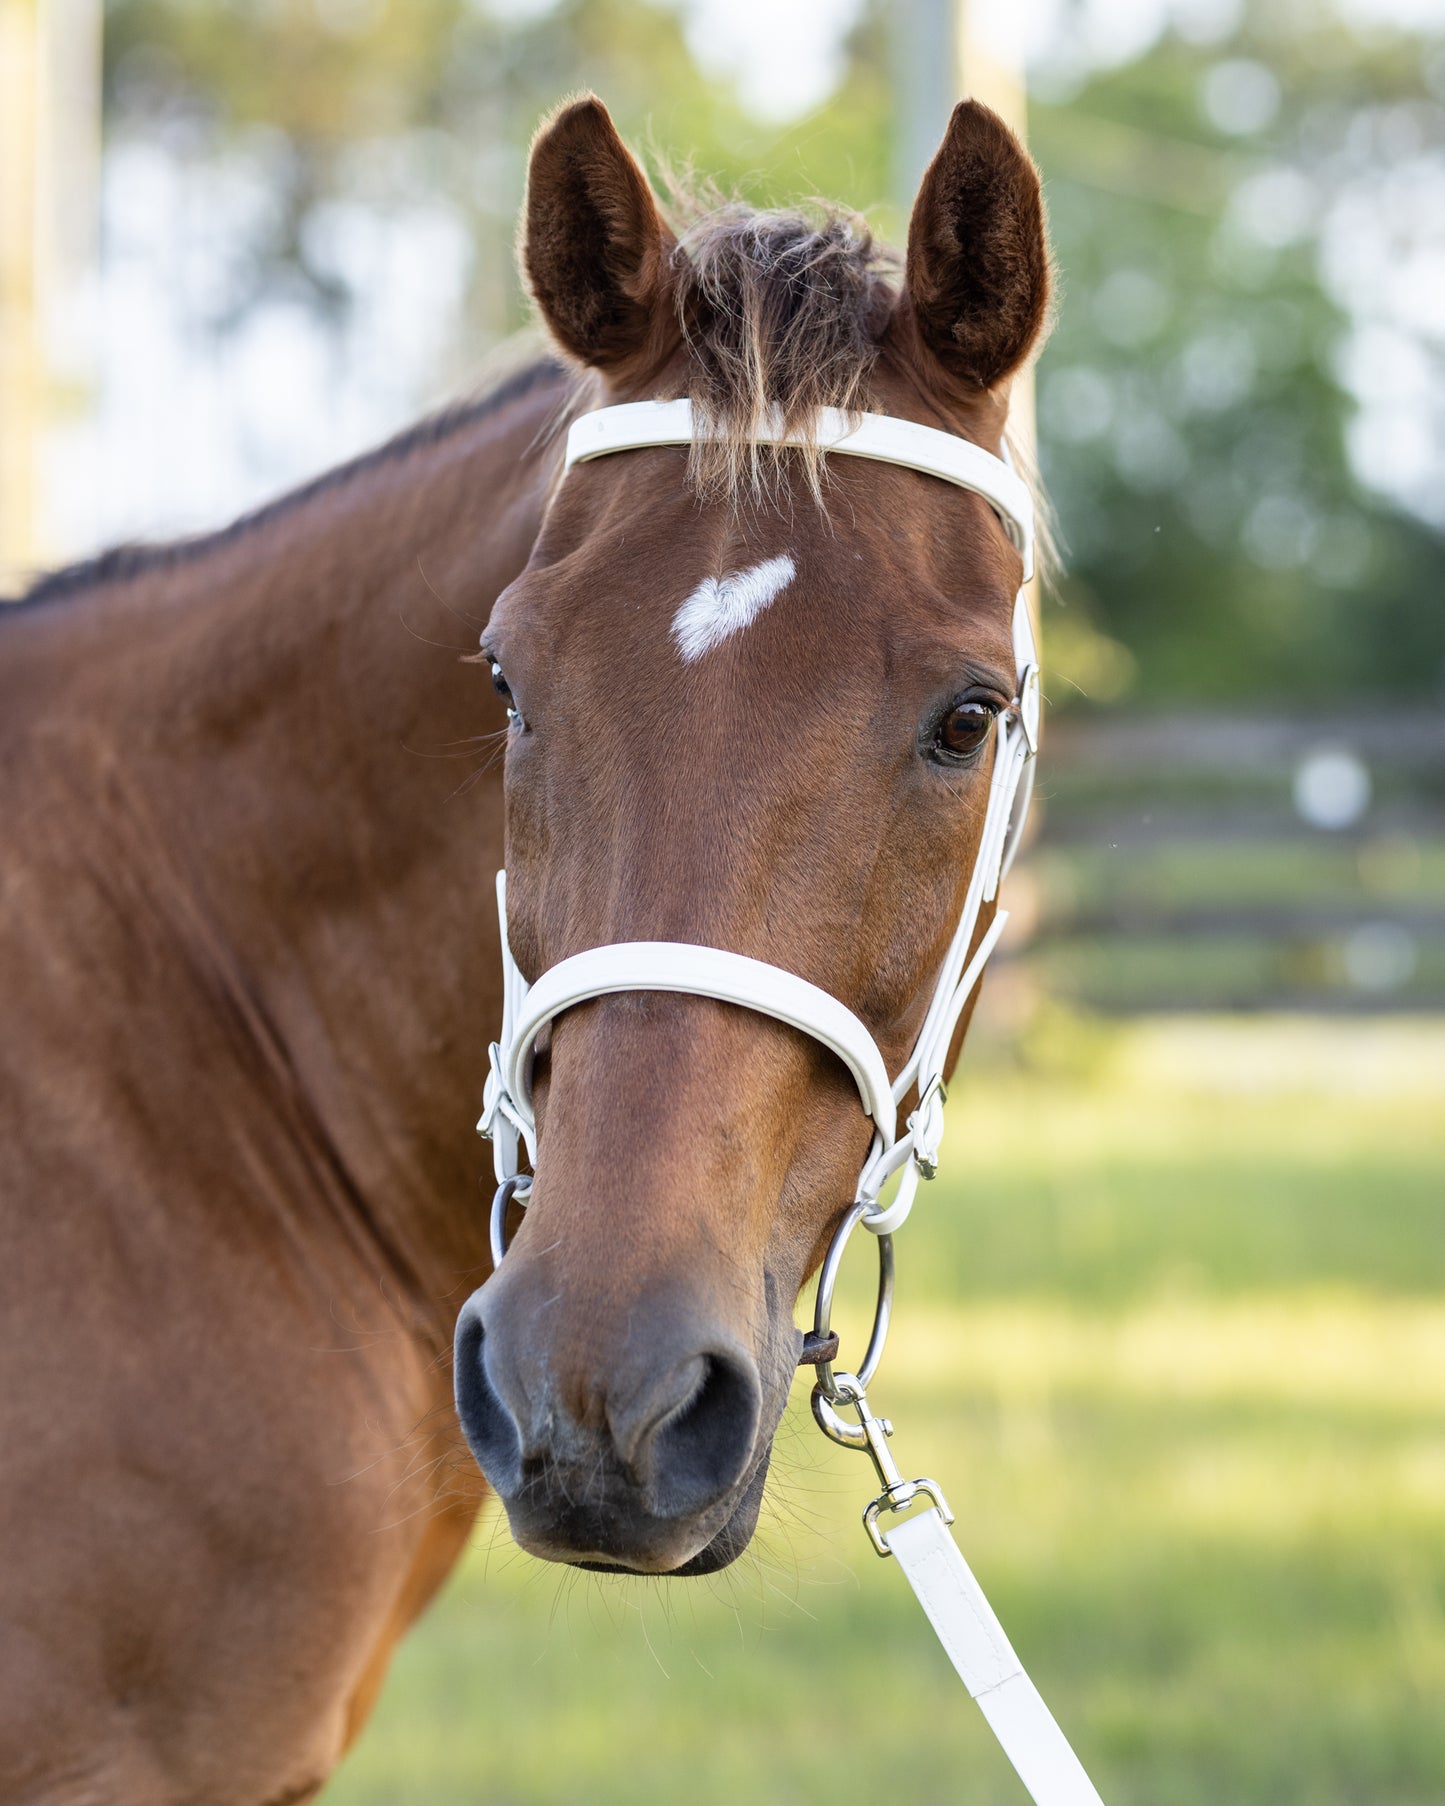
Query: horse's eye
(503, 689)
(964, 728)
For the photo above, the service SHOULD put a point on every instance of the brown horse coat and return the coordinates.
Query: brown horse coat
(249, 967)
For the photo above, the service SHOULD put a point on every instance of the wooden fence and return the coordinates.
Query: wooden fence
(1240, 863)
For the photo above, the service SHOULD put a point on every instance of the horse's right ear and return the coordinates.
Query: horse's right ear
(594, 248)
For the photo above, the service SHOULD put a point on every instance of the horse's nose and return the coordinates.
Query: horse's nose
(688, 1435)
(663, 1408)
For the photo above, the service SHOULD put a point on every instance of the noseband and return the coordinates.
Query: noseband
(951, 1597)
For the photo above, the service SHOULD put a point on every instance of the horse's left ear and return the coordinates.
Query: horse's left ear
(978, 260)
(594, 248)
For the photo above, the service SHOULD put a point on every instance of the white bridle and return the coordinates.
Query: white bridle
(960, 1614)
(753, 984)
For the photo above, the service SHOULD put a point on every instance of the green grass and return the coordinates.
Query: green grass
(1175, 1347)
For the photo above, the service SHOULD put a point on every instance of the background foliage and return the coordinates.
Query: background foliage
(1186, 1399)
(1234, 210)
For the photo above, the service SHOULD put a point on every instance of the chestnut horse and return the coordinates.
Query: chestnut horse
(250, 966)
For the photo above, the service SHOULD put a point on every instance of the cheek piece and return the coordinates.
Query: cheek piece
(950, 1595)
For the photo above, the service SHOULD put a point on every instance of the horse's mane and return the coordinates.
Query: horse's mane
(122, 563)
(783, 313)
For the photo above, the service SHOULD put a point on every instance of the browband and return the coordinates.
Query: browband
(632, 425)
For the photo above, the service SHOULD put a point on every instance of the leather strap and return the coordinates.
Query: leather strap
(700, 972)
(984, 1659)
(633, 425)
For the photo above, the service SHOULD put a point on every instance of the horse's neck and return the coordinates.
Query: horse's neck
(297, 755)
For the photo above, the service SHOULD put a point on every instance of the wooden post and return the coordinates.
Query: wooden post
(925, 83)
(988, 66)
(49, 231)
(19, 327)
(944, 50)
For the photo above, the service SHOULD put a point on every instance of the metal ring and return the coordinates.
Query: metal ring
(506, 1191)
(828, 1392)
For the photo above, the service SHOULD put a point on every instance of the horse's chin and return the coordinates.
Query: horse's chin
(722, 1551)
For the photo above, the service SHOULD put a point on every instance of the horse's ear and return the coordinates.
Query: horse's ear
(594, 248)
(978, 260)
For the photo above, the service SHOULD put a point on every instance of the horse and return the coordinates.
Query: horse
(726, 695)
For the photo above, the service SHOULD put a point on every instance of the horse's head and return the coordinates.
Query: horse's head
(754, 710)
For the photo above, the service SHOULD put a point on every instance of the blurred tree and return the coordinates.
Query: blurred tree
(1214, 359)
(1198, 397)
(393, 106)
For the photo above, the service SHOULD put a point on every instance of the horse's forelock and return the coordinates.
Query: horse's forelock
(781, 312)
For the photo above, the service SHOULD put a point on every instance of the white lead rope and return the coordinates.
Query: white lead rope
(946, 1589)
(974, 1642)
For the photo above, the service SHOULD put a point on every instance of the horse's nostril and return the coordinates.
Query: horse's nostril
(489, 1427)
(704, 1445)
(608, 1458)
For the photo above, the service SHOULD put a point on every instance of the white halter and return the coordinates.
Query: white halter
(966, 1625)
(753, 984)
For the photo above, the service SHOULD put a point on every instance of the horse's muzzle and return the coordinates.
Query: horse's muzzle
(628, 1445)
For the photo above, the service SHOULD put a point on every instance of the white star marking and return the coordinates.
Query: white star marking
(716, 610)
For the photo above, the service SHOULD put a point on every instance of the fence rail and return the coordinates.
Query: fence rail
(1230, 862)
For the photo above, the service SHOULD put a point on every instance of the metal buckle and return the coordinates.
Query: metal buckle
(837, 1388)
(1030, 707)
(897, 1494)
(493, 1093)
(899, 1498)
(927, 1163)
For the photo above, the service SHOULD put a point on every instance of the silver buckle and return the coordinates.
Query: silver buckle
(898, 1498)
(493, 1094)
(927, 1163)
(897, 1494)
(1029, 703)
